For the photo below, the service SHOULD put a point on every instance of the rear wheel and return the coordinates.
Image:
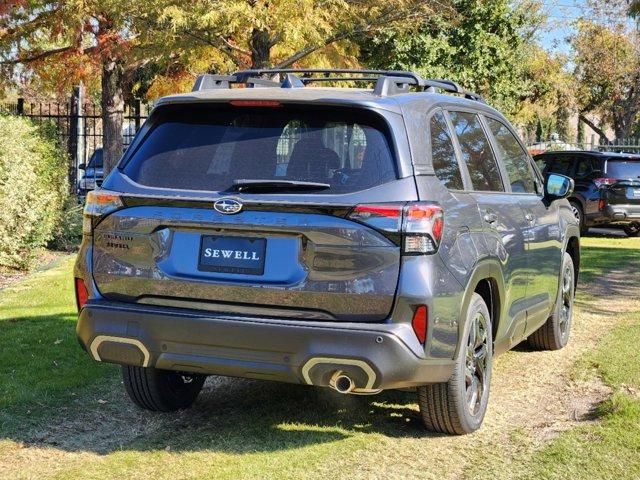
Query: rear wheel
(458, 406)
(632, 230)
(576, 208)
(161, 390)
(554, 334)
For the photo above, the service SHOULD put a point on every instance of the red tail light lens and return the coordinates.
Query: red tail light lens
(419, 323)
(601, 205)
(386, 217)
(603, 182)
(421, 224)
(422, 228)
(82, 295)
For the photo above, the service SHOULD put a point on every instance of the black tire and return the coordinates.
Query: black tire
(161, 390)
(632, 230)
(447, 407)
(554, 334)
(576, 208)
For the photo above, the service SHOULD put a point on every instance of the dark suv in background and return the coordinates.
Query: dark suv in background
(357, 239)
(92, 176)
(607, 187)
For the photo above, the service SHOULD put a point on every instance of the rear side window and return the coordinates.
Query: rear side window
(623, 169)
(476, 152)
(562, 165)
(514, 158)
(443, 154)
(207, 147)
(586, 166)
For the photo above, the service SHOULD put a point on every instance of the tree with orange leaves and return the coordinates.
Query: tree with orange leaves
(63, 41)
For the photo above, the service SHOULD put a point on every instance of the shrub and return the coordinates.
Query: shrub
(67, 233)
(33, 188)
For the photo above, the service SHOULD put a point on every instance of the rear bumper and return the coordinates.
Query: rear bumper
(622, 213)
(375, 356)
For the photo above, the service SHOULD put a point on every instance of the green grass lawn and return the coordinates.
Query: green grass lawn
(62, 415)
(41, 364)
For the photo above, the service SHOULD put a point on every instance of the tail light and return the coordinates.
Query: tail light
(601, 205)
(422, 228)
(421, 224)
(419, 323)
(605, 182)
(82, 295)
(97, 205)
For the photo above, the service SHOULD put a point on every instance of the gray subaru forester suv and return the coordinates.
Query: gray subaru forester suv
(362, 239)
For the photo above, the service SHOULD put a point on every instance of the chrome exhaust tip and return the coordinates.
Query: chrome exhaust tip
(341, 382)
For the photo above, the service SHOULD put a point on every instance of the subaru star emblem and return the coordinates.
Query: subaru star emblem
(228, 206)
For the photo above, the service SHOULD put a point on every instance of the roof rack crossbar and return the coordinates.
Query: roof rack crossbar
(387, 82)
(327, 71)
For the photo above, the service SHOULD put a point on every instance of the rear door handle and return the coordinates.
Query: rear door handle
(490, 217)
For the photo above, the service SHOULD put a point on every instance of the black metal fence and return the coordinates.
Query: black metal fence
(78, 122)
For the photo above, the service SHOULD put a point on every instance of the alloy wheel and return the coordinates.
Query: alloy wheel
(567, 300)
(477, 350)
(576, 213)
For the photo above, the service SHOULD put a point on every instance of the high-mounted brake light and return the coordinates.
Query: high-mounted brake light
(605, 182)
(255, 103)
(82, 295)
(420, 223)
(419, 323)
(98, 204)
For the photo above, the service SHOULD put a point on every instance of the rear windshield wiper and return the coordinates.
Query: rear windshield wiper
(245, 185)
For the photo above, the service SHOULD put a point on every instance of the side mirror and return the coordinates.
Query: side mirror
(558, 186)
(82, 166)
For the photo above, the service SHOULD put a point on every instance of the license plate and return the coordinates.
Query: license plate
(232, 254)
(635, 192)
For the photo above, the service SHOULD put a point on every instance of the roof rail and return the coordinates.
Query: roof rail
(387, 82)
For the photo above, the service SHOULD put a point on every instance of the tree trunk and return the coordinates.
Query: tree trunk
(260, 49)
(594, 127)
(112, 112)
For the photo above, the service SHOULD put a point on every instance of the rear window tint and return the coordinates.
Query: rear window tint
(623, 169)
(207, 147)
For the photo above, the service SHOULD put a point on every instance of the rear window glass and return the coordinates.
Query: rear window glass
(623, 170)
(96, 159)
(206, 147)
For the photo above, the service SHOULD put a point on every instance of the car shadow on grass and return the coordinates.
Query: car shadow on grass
(94, 414)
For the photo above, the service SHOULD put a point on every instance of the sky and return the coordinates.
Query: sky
(561, 13)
